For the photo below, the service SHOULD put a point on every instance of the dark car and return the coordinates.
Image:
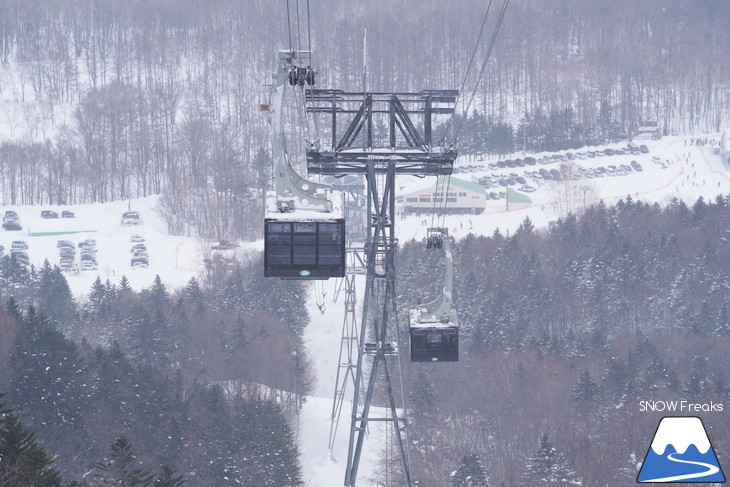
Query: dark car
(67, 214)
(530, 161)
(637, 167)
(510, 163)
(609, 152)
(12, 226)
(644, 149)
(521, 180)
(520, 162)
(47, 214)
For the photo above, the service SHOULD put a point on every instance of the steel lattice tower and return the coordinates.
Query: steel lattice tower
(407, 150)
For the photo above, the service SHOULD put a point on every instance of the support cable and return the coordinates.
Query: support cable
(288, 25)
(468, 69)
(299, 37)
(484, 66)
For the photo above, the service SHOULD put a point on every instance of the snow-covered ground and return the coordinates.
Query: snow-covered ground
(694, 171)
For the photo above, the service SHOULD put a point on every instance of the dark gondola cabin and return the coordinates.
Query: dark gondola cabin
(434, 342)
(311, 249)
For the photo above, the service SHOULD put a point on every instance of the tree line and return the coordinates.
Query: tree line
(112, 100)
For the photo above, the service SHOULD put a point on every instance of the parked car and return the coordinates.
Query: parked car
(20, 256)
(608, 152)
(131, 218)
(530, 161)
(88, 244)
(66, 264)
(527, 188)
(140, 261)
(10, 215)
(12, 226)
(46, 214)
(139, 246)
(136, 238)
(636, 166)
(65, 243)
(225, 244)
(67, 253)
(67, 214)
(644, 149)
(88, 265)
(19, 245)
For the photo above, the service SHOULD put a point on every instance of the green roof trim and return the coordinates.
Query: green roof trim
(460, 183)
(51, 234)
(517, 197)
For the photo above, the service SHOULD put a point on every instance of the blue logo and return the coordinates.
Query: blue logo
(680, 452)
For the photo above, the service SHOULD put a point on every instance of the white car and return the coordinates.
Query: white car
(19, 245)
(527, 188)
(88, 265)
(136, 238)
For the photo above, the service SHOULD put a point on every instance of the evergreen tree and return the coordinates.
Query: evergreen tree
(122, 469)
(167, 478)
(14, 308)
(53, 294)
(34, 470)
(22, 462)
(47, 375)
(238, 338)
(124, 284)
(157, 295)
(470, 473)
(548, 467)
(423, 396)
(194, 294)
(586, 394)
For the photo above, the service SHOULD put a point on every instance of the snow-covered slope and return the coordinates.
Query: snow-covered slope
(693, 171)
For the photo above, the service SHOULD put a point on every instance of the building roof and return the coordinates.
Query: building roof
(517, 197)
(442, 182)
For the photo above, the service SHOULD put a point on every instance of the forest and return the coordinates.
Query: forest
(564, 331)
(129, 388)
(110, 99)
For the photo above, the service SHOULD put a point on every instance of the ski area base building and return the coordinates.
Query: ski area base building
(454, 195)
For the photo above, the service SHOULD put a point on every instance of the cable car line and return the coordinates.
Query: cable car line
(468, 69)
(484, 66)
(288, 24)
